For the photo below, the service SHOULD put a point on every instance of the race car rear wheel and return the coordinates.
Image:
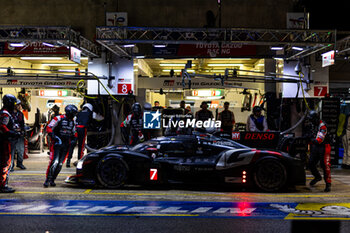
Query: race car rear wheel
(112, 172)
(270, 175)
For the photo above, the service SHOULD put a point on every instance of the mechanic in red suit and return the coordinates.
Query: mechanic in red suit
(7, 133)
(62, 130)
(135, 121)
(320, 151)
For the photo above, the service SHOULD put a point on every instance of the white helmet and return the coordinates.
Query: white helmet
(88, 106)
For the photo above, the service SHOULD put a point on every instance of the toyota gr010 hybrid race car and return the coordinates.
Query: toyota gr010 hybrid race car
(189, 159)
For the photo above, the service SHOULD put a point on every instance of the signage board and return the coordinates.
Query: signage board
(207, 50)
(122, 77)
(320, 90)
(196, 83)
(34, 48)
(297, 20)
(330, 114)
(116, 19)
(38, 83)
(74, 54)
(328, 58)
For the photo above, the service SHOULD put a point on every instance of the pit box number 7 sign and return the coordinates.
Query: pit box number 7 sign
(320, 91)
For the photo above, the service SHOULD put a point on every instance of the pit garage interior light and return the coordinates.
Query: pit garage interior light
(41, 58)
(60, 64)
(175, 64)
(297, 48)
(53, 93)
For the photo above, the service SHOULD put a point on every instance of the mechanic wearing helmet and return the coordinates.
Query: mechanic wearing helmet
(320, 150)
(135, 121)
(256, 122)
(7, 132)
(83, 119)
(62, 131)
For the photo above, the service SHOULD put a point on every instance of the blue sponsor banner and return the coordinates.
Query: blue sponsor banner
(144, 208)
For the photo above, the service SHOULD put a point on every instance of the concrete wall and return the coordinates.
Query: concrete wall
(85, 15)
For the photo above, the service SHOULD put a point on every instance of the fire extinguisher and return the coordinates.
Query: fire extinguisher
(25, 154)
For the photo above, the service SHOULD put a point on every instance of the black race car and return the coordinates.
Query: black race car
(189, 159)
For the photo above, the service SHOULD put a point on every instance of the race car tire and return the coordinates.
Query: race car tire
(270, 175)
(112, 172)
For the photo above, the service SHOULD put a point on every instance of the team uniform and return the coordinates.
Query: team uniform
(227, 119)
(256, 124)
(7, 133)
(62, 131)
(136, 124)
(320, 151)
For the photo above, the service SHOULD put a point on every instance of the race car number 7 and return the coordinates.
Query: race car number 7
(153, 174)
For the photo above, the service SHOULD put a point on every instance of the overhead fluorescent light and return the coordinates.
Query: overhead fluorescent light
(17, 44)
(278, 58)
(59, 64)
(168, 70)
(68, 71)
(222, 59)
(159, 45)
(48, 44)
(174, 64)
(297, 48)
(41, 58)
(225, 64)
(140, 57)
(276, 48)
(128, 45)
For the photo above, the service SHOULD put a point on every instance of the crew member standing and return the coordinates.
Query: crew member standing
(256, 122)
(84, 118)
(61, 131)
(135, 121)
(7, 132)
(227, 118)
(18, 145)
(204, 114)
(320, 151)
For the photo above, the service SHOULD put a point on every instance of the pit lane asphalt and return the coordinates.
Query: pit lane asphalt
(28, 185)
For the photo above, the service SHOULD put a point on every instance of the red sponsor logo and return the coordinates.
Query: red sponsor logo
(259, 136)
(168, 83)
(236, 135)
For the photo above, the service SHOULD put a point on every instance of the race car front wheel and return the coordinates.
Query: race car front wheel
(270, 175)
(112, 172)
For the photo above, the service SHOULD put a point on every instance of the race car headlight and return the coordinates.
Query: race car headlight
(80, 164)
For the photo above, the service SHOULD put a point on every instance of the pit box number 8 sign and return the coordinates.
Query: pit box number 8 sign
(123, 88)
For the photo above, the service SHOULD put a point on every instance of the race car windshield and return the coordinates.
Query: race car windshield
(142, 146)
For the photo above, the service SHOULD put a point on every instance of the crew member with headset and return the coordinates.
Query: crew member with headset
(256, 122)
(7, 132)
(62, 130)
(135, 121)
(320, 150)
(84, 117)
